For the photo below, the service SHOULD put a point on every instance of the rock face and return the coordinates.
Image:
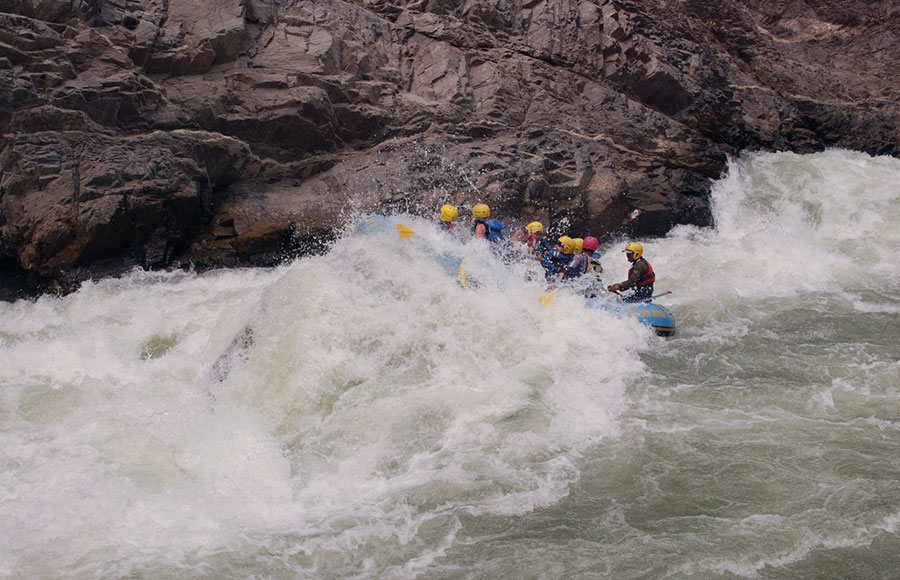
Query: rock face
(233, 132)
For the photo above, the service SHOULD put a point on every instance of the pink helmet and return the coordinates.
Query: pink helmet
(590, 243)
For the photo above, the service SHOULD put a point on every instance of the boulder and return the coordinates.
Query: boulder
(244, 132)
(72, 198)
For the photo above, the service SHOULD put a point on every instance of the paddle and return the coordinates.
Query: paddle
(647, 299)
(657, 296)
(547, 298)
(405, 232)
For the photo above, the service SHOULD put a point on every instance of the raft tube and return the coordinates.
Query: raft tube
(653, 315)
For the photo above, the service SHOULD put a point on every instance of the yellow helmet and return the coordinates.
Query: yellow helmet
(481, 211)
(568, 244)
(579, 245)
(635, 248)
(448, 213)
(534, 228)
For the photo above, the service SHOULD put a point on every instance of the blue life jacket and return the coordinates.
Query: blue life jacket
(494, 229)
(554, 262)
(542, 248)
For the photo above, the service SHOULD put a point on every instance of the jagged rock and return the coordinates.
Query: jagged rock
(231, 132)
(72, 198)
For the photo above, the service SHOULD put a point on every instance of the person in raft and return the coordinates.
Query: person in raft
(448, 216)
(557, 260)
(483, 227)
(518, 236)
(590, 246)
(538, 246)
(580, 263)
(640, 275)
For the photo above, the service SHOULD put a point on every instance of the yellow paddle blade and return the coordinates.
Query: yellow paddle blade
(462, 276)
(403, 231)
(547, 299)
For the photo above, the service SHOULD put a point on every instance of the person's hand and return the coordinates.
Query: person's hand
(613, 287)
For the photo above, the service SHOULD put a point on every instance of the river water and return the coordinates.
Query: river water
(361, 415)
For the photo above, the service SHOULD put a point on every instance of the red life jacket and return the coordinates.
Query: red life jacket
(647, 279)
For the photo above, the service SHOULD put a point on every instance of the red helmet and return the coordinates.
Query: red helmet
(590, 243)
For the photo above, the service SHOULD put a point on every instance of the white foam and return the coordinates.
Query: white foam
(351, 404)
(788, 223)
(371, 387)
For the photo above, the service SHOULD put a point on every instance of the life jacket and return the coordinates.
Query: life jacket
(540, 249)
(447, 225)
(647, 279)
(547, 264)
(494, 229)
(554, 262)
(594, 264)
(583, 268)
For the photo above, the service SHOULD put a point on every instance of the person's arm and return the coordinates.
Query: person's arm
(634, 275)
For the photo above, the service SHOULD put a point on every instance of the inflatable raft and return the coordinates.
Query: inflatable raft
(653, 315)
(649, 313)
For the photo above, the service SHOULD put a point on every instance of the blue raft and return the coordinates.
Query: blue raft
(374, 224)
(653, 315)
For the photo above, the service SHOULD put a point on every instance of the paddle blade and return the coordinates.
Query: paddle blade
(462, 276)
(403, 231)
(547, 299)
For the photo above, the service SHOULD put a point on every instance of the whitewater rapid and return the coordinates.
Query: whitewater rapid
(362, 415)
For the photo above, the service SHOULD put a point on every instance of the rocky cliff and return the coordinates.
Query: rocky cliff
(232, 132)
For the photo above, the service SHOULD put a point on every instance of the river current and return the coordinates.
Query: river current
(361, 415)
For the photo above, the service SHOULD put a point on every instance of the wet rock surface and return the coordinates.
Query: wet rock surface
(240, 132)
